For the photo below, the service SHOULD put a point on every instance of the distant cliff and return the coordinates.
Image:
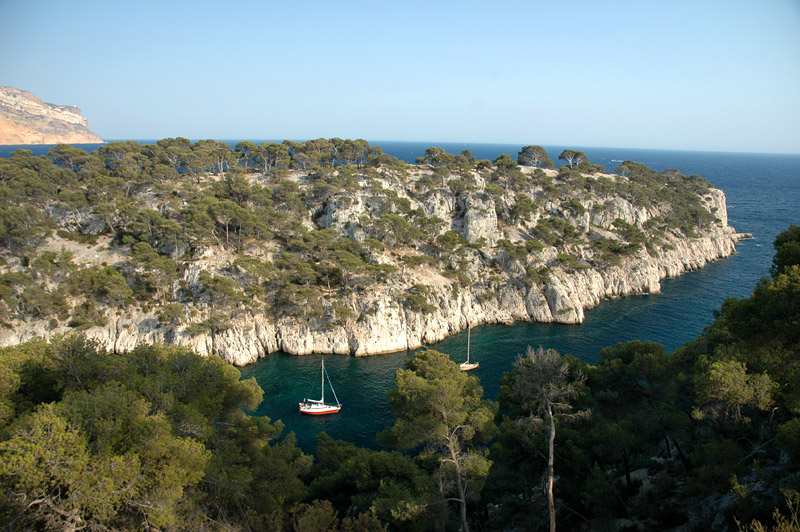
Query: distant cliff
(25, 119)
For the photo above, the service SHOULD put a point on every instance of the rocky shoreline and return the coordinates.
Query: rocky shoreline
(391, 328)
(365, 260)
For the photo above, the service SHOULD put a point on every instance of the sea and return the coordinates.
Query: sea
(763, 193)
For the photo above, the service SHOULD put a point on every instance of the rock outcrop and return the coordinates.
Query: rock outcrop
(386, 326)
(422, 258)
(25, 119)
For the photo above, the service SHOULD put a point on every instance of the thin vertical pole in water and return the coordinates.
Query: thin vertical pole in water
(468, 331)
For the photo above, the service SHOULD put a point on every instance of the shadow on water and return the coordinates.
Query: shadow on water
(360, 383)
(672, 318)
(763, 192)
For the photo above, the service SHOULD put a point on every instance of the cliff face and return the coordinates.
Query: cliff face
(390, 328)
(25, 119)
(387, 327)
(381, 323)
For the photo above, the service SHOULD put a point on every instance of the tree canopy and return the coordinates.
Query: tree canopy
(440, 412)
(91, 439)
(535, 156)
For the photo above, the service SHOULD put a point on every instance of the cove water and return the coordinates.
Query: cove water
(763, 192)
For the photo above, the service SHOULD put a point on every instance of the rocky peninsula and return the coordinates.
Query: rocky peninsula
(25, 119)
(355, 254)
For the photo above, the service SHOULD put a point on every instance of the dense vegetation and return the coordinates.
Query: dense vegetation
(643, 440)
(192, 235)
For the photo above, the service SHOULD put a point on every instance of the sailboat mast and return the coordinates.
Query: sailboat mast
(468, 331)
(322, 381)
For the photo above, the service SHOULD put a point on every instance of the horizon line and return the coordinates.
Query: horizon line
(432, 143)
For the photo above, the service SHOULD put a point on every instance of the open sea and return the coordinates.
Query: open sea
(763, 192)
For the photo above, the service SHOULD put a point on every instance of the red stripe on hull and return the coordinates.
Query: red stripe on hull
(319, 413)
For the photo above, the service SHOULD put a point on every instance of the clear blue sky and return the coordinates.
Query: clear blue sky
(700, 74)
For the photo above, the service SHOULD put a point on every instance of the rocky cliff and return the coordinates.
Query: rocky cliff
(388, 327)
(25, 119)
(535, 245)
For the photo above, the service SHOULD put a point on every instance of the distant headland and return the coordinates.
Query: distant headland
(25, 119)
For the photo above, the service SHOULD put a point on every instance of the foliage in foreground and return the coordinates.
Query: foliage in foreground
(694, 440)
(704, 439)
(93, 439)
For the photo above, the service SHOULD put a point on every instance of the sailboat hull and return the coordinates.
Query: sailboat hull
(317, 409)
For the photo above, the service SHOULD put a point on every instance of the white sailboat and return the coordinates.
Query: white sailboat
(316, 407)
(466, 366)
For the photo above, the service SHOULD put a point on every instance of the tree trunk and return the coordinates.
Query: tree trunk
(462, 496)
(551, 504)
(682, 457)
(440, 517)
(669, 447)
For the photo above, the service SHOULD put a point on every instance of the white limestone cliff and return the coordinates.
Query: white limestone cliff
(389, 327)
(380, 323)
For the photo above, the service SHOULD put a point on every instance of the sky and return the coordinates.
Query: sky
(697, 75)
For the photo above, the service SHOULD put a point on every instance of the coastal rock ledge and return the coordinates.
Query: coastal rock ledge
(563, 300)
(388, 327)
(366, 256)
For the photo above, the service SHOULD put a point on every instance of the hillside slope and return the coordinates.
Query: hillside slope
(240, 253)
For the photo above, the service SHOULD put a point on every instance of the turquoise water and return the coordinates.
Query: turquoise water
(763, 194)
(763, 198)
(673, 317)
